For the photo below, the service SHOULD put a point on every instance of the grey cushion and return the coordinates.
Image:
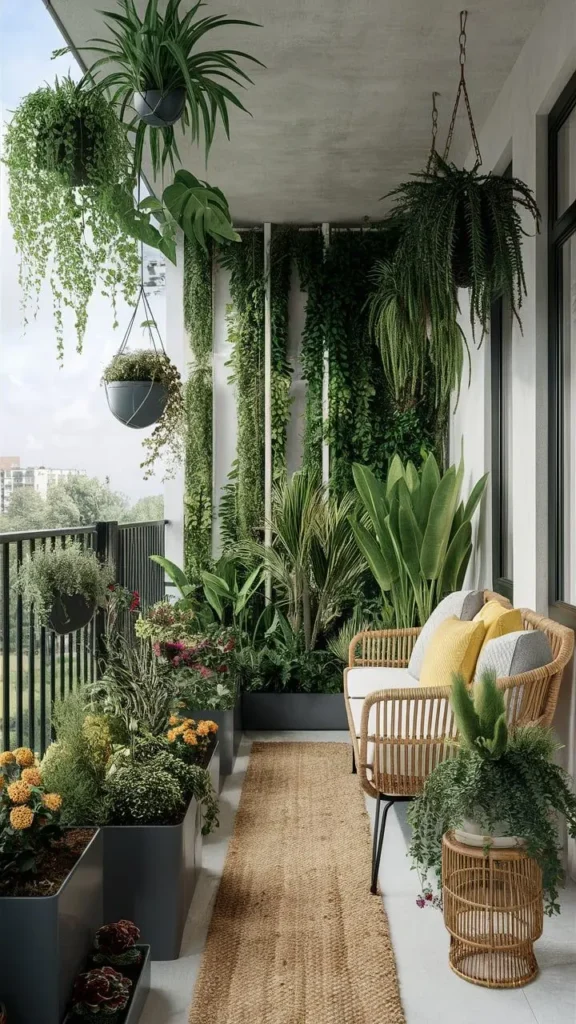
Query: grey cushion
(464, 604)
(515, 653)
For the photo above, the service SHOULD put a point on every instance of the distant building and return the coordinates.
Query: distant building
(9, 462)
(39, 478)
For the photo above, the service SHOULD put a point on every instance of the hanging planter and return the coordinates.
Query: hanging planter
(160, 110)
(157, 67)
(67, 155)
(64, 585)
(144, 387)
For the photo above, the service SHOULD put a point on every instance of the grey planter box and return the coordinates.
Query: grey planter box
(44, 941)
(149, 876)
(214, 769)
(280, 711)
(229, 732)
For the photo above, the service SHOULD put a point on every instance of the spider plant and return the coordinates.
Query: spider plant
(462, 229)
(158, 52)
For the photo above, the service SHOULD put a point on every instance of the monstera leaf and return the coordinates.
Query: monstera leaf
(199, 209)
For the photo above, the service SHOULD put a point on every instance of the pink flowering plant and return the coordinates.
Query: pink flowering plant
(205, 664)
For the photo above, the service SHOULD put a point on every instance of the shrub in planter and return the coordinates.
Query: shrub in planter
(203, 668)
(59, 138)
(168, 622)
(101, 993)
(115, 944)
(144, 387)
(157, 67)
(136, 688)
(29, 816)
(498, 784)
(65, 585)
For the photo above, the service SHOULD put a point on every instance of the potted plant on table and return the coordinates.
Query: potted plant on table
(500, 789)
(67, 154)
(50, 892)
(65, 585)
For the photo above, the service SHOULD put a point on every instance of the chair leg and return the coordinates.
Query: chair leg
(353, 762)
(378, 841)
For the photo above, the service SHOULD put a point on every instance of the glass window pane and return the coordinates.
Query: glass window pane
(568, 342)
(567, 163)
(507, 566)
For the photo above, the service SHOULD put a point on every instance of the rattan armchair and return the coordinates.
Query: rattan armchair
(405, 732)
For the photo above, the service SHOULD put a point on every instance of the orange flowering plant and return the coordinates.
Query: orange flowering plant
(29, 816)
(189, 737)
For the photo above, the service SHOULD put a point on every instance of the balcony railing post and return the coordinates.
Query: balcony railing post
(107, 548)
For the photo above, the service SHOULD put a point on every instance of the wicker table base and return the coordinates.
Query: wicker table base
(493, 910)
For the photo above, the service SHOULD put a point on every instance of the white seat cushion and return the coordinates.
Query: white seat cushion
(362, 681)
(426, 720)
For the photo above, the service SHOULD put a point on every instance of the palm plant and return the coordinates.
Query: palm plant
(158, 53)
(315, 565)
(416, 533)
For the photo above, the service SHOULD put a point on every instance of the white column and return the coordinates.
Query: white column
(177, 348)
(267, 398)
(325, 387)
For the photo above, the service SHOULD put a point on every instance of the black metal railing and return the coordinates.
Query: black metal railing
(37, 666)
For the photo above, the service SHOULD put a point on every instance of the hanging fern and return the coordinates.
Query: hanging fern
(198, 406)
(246, 334)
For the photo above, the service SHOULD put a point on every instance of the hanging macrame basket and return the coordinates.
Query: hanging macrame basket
(139, 403)
(158, 110)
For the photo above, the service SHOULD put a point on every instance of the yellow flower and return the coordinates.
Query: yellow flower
(212, 726)
(19, 792)
(173, 720)
(189, 737)
(203, 728)
(21, 817)
(24, 757)
(171, 735)
(32, 776)
(189, 723)
(52, 801)
(7, 758)
(180, 729)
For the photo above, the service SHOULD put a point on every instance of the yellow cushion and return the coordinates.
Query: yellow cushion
(498, 620)
(454, 647)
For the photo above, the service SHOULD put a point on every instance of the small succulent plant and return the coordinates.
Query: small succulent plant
(100, 994)
(115, 944)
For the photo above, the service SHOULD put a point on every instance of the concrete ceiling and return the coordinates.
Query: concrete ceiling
(341, 113)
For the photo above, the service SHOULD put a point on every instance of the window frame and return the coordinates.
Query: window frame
(560, 229)
(501, 583)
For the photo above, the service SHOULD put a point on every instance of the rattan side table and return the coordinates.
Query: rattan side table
(493, 909)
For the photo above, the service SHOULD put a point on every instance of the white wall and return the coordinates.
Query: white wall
(517, 128)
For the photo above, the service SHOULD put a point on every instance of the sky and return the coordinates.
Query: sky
(49, 415)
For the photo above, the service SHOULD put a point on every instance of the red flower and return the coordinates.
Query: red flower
(135, 602)
(222, 668)
(116, 938)
(230, 645)
(205, 672)
(101, 988)
(111, 586)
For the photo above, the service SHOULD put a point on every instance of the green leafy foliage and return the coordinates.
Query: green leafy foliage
(167, 438)
(144, 794)
(67, 154)
(135, 688)
(200, 209)
(415, 533)
(496, 778)
(198, 408)
(30, 817)
(72, 569)
(160, 52)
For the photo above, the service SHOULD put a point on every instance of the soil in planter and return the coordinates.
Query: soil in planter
(55, 866)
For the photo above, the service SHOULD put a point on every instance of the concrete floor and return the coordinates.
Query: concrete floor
(431, 993)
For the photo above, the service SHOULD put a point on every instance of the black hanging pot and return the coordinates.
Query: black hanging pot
(51, 154)
(160, 110)
(136, 403)
(70, 612)
(462, 244)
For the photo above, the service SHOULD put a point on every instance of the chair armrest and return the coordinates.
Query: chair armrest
(384, 648)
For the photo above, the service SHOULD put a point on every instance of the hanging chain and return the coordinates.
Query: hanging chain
(432, 155)
(462, 91)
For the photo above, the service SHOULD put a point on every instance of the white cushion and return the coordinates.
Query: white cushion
(515, 653)
(425, 720)
(362, 681)
(464, 604)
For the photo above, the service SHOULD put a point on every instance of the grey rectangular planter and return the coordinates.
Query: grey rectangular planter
(229, 732)
(44, 941)
(149, 876)
(280, 711)
(141, 990)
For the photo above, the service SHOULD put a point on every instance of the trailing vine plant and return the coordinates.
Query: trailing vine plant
(282, 245)
(310, 260)
(66, 154)
(198, 408)
(242, 507)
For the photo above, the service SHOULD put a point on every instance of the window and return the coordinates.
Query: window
(562, 282)
(501, 372)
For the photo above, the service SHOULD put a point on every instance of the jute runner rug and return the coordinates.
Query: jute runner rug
(296, 937)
